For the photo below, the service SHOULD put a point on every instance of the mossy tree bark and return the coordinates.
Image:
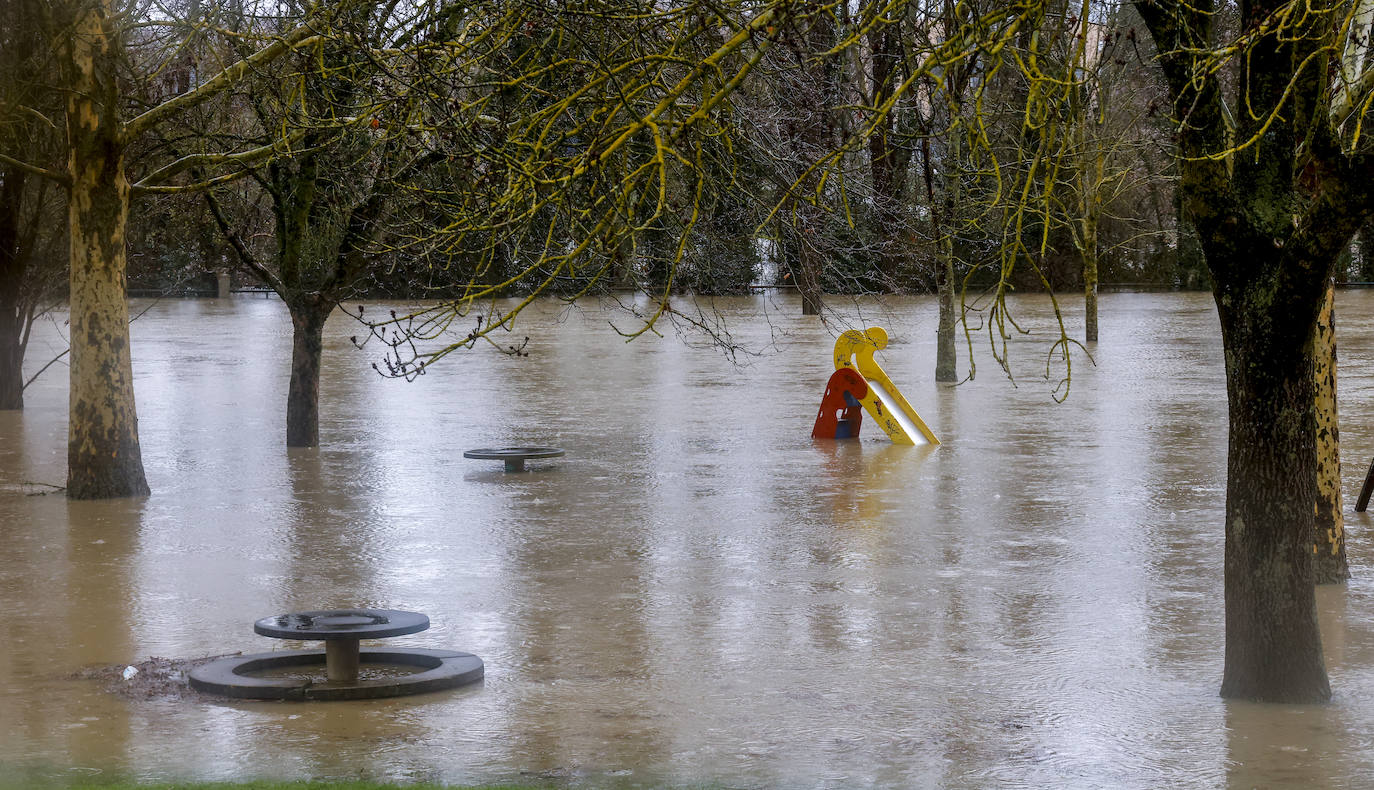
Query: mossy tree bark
(103, 454)
(1272, 218)
(1328, 543)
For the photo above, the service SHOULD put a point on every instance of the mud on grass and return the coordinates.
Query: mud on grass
(156, 678)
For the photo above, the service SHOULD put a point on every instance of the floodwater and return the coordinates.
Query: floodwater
(697, 593)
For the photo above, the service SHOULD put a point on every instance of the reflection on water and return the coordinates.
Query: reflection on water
(697, 592)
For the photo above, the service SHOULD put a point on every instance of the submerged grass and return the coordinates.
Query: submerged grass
(259, 785)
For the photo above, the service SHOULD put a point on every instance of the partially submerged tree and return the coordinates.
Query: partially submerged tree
(330, 195)
(950, 128)
(1101, 142)
(1277, 180)
(104, 458)
(1277, 177)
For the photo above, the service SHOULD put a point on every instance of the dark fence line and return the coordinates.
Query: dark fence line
(193, 293)
(179, 293)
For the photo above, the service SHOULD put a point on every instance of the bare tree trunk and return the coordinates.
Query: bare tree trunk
(1271, 241)
(806, 99)
(888, 162)
(943, 211)
(103, 454)
(1090, 273)
(1090, 209)
(11, 361)
(303, 395)
(1329, 541)
(946, 352)
(12, 317)
(810, 265)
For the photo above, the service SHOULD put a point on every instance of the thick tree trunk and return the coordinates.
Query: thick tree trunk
(303, 396)
(1329, 539)
(103, 454)
(1273, 648)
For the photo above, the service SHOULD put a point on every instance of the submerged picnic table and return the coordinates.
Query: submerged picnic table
(259, 675)
(342, 630)
(515, 457)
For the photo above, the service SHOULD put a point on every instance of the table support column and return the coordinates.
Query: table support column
(341, 658)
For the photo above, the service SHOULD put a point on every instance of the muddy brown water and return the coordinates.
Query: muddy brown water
(697, 592)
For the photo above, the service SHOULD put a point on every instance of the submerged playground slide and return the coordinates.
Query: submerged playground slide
(871, 389)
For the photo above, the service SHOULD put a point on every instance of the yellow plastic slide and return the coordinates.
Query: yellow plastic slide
(884, 402)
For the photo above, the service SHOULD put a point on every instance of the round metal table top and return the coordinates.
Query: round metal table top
(513, 453)
(342, 624)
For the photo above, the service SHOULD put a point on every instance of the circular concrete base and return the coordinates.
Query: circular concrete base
(439, 669)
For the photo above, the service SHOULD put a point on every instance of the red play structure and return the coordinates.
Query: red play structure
(841, 413)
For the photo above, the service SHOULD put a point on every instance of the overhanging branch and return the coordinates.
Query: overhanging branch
(302, 36)
(61, 178)
(242, 159)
